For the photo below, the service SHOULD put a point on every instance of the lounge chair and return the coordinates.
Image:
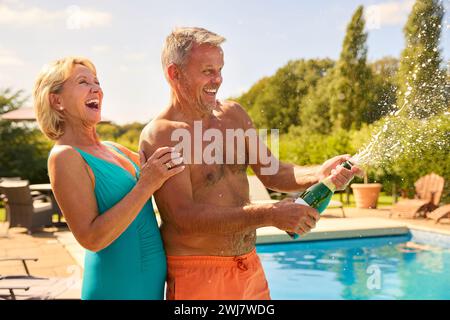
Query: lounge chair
(440, 213)
(24, 263)
(10, 179)
(259, 194)
(429, 190)
(35, 288)
(28, 287)
(22, 209)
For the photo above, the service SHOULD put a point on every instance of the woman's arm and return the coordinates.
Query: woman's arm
(75, 195)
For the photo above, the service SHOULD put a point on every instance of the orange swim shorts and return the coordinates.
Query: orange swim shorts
(216, 278)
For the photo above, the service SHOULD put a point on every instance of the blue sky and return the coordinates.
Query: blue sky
(124, 40)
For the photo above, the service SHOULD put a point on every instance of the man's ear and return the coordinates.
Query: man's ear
(173, 72)
(55, 101)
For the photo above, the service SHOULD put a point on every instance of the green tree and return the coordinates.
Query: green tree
(10, 100)
(274, 102)
(126, 135)
(384, 88)
(108, 131)
(248, 100)
(314, 112)
(23, 149)
(23, 153)
(421, 77)
(130, 136)
(350, 91)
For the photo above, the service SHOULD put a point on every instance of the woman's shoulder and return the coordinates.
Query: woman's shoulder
(63, 154)
(68, 164)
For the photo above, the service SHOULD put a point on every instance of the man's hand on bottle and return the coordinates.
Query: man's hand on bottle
(292, 217)
(340, 176)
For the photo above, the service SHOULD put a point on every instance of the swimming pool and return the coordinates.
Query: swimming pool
(412, 266)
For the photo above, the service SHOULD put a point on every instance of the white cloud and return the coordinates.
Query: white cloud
(27, 16)
(78, 18)
(101, 49)
(136, 56)
(391, 13)
(8, 58)
(124, 68)
(18, 15)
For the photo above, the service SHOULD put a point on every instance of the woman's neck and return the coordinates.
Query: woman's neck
(80, 135)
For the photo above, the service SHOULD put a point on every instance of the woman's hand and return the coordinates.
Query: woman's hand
(162, 164)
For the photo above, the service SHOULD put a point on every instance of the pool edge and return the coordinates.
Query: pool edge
(333, 235)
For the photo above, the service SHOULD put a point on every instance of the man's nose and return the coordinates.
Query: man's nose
(218, 79)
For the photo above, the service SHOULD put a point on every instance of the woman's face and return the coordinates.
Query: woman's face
(81, 96)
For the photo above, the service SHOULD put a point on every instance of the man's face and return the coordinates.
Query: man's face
(201, 77)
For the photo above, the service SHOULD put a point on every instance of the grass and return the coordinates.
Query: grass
(383, 200)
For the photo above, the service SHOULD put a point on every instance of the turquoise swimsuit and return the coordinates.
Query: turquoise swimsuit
(134, 265)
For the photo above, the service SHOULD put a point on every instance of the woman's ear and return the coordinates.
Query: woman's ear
(56, 102)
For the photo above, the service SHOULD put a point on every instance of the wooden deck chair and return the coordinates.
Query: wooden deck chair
(440, 213)
(259, 194)
(429, 190)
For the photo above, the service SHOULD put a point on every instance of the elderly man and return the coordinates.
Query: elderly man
(208, 223)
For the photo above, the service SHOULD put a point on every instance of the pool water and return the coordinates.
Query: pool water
(399, 267)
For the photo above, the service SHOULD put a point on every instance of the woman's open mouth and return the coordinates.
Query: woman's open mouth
(92, 104)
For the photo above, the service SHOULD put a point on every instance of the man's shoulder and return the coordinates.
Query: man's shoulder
(159, 131)
(229, 106)
(233, 110)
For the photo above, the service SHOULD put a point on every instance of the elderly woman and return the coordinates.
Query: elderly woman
(102, 191)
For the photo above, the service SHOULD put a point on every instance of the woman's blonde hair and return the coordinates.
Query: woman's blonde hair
(50, 80)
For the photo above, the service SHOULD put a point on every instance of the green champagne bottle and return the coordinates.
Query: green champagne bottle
(318, 196)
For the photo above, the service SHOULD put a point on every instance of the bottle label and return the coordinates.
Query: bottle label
(301, 201)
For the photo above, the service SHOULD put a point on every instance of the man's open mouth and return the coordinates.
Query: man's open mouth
(92, 104)
(210, 92)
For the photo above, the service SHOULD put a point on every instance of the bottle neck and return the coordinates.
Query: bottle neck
(348, 164)
(327, 181)
(329, 184)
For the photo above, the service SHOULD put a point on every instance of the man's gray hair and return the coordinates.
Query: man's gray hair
(180, 41)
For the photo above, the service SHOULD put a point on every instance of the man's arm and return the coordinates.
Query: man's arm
(283, 177)
(289, 177)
